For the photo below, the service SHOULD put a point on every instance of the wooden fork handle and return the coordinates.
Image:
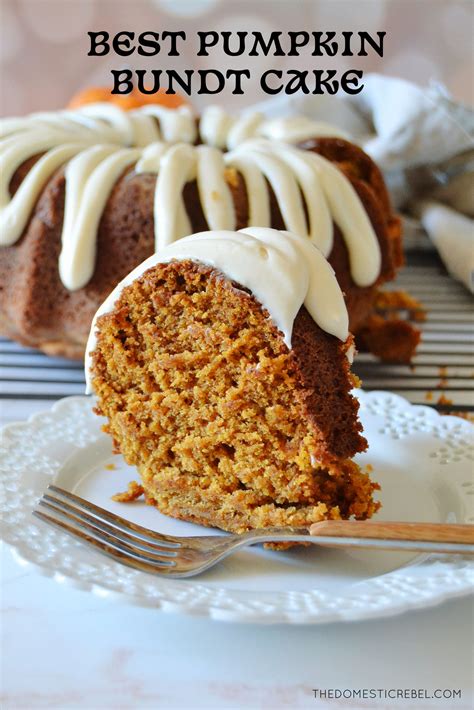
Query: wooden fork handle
(378, 530)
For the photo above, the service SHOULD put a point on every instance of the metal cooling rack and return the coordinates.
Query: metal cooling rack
(442, 372)
(443, 366)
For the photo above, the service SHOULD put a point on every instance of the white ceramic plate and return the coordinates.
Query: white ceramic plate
(423, 461)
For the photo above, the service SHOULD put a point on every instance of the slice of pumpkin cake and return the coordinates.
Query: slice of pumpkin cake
(223, 367)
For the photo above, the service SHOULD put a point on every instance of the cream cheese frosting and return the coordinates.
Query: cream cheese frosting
(98, 142)
(281, 270)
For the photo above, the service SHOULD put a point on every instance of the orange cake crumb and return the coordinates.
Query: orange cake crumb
(134, 491)
(443, 400)
(385, 333)
(226, 425)
(394, 301)
(390, 339)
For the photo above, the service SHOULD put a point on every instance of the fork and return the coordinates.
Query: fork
(174, 557)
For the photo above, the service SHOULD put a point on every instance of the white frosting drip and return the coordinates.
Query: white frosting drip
(281, 270)
(176, 168)
(305, 180)
(244, 128)
(294, 129)
(214, 193)
(176, 125)
(328, 195)
(215, 126)
(93, 178)
(298, 179)
(100, 141)
(15, 212)
(258, 208)
(118, 122)
(219, 129)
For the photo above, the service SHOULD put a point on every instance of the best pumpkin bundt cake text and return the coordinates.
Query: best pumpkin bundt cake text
(316, 80)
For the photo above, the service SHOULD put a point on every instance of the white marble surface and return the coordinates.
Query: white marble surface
(64, 648)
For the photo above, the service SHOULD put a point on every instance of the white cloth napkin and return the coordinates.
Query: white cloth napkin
(401, 125)
(453, 235)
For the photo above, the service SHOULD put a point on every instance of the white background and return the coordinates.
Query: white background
(63, 648)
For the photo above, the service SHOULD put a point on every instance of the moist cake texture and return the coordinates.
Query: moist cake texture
(227, 426)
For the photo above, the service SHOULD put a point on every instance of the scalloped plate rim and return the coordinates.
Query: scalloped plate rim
(218, 614)
(254, 616)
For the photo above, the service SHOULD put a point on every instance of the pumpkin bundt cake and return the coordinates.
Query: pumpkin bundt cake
(87, 194)
(222, 364)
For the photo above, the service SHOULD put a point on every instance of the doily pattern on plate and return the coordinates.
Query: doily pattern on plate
(32, 453)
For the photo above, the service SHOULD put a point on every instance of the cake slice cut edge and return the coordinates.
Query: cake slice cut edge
(227, 426)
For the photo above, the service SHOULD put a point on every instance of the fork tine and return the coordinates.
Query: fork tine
(108, 539)
(56, 504)
(116, 520)
(117, 555)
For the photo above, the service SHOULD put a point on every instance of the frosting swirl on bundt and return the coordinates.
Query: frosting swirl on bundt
(280, 269)
(99, 142)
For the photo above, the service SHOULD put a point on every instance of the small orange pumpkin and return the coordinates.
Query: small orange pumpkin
(135, 99)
